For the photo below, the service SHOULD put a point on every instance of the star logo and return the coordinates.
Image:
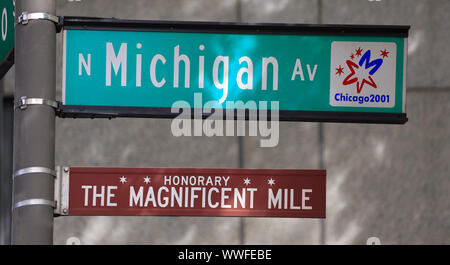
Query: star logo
(123, 179)
(339, 70)
(271, 181)
(365, 61)
(247, 181)
(358, 52)
(147, 180)
(384, 53)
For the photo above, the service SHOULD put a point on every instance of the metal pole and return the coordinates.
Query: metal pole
(34, 126)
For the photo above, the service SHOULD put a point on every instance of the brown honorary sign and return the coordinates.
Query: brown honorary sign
(193, 192)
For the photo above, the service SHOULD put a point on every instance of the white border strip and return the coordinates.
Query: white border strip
(405, 55)
(64, 68)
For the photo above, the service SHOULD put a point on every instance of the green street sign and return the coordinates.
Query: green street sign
(7, 35)
(334, 73)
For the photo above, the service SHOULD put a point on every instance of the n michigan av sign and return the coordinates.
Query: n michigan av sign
(336, 73)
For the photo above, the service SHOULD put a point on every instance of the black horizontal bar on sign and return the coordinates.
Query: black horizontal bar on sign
(72, 111)
(70, 22)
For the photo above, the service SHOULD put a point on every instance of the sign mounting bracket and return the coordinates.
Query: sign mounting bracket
(25, 17)
(25, 101)
(62, 191)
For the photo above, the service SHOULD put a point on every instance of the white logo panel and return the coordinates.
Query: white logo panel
(363, 74)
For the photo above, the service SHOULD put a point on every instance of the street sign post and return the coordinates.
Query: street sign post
(34, 124)
(334, 73)
(7, 36)
(191, 192)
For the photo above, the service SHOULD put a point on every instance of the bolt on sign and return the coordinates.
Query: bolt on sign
(191, 192)
(7, 35)
(334, 73)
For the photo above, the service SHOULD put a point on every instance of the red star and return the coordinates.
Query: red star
(339, 70)
(358, 51)
(350, 79)
(347, 81)
(352, 56)
(384, 53)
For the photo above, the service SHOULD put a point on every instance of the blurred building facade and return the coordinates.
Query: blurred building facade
(394, 184)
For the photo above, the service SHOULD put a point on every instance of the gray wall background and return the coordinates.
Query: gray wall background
(394, 184)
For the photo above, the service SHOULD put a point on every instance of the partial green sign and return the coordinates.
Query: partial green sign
(319, 73)
(7, 34)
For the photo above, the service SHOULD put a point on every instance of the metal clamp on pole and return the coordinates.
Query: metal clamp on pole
(29, 170)
(25, 101)
(25, 17)
(34, 202)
